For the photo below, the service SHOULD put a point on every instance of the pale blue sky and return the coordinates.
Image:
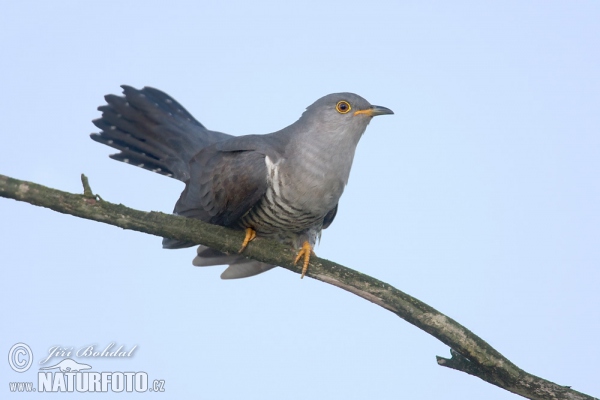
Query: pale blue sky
(480, 196)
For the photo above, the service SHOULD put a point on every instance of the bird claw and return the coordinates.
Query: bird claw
(250, 235)
(305, 252)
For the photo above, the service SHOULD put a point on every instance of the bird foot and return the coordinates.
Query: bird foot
(305, 252)
(250, 235)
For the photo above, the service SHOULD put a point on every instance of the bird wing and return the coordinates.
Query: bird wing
(223, 185)
(226, 180)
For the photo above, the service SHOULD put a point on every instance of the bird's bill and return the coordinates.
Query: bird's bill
(374, 111)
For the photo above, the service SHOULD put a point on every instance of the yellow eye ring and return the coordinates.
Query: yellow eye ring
(343, 107)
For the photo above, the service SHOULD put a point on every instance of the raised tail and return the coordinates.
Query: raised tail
(153, 131)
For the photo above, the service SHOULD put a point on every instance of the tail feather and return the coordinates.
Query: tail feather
(132, 150)
(153, 131)
(150, 97)
(120, 138)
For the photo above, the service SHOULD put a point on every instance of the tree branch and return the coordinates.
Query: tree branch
(470, 353)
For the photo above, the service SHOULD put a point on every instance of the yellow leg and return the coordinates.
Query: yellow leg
(250, 235)
(305, 252)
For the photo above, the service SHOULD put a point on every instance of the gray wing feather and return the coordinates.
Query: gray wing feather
(223, 186)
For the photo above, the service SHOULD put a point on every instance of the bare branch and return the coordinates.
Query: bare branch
(470, 353)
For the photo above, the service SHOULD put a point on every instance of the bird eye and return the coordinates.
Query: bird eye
(343, 107)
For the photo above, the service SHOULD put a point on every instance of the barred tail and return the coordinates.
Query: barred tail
(153, 131)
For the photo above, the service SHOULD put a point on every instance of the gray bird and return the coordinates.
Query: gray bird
(283, 185)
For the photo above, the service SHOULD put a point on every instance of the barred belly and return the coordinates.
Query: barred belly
(274, 213)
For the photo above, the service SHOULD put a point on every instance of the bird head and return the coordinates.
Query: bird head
(345, 114)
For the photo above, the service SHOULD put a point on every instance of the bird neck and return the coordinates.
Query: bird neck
(326, 155)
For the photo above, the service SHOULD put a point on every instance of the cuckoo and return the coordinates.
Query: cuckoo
(283, 185)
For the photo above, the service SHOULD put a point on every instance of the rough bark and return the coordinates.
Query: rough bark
(470, 353)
